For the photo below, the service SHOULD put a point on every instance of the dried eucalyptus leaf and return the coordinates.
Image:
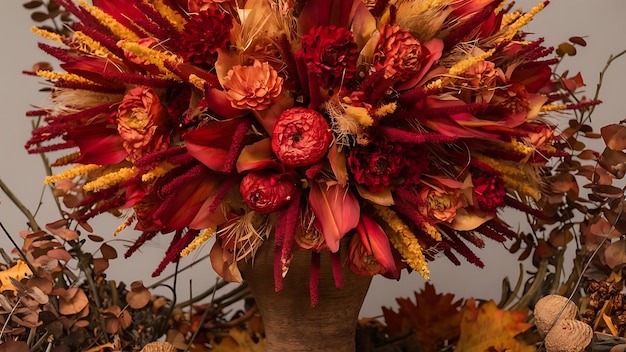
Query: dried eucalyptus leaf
(32, 4)
(39, 16)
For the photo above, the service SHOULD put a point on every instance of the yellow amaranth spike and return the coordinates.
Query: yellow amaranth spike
(198, 241)
(197, 81)
(521, 22)
(403, 239)
(509, 18)
(66, 159)
(89, 45)
(553, 107)
(505, 169)
(111, 178)
(434, 85)
(155, 57)
(124, 225)
(55, 76)
(167, 12)
(71, 173)
(111, 23)
(432, 231)
(464, 65)
(359, 115)
(522, 187)
(521, 147)
(386, 110)
(47, 34)
(157, 172)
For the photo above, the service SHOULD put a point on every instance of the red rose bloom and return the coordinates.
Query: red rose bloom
(300, 137)
(331, 54)
(265, 192)
(204, 34)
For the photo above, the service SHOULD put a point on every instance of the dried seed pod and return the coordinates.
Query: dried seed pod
(548, 308)
(159, 346)
(568, 335)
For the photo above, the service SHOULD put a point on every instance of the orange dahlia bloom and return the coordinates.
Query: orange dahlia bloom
(252, 87)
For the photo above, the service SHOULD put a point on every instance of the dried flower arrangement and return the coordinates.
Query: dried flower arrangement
(180, 119)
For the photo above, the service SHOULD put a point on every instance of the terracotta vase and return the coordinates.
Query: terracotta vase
(291, 323)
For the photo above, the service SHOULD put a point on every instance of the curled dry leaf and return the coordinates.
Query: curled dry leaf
(72, 300)
(59, 228)
(615, 253)
(100, 265)
(38, 295)
(108, 252)
(139, 296)
(14, 346)
(60, 254)
(116, 319)
(614, 135)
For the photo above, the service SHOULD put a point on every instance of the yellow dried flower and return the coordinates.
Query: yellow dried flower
(71, 173)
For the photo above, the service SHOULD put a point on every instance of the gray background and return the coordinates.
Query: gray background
(601, 22)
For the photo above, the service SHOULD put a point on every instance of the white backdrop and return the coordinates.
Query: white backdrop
(601, 22)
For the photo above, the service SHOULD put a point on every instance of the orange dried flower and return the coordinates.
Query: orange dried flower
(398, 53)
(252, 87)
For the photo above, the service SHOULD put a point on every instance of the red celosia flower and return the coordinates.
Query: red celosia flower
(489, 192)
(381, 164)
(141, 122)
(300, 137)
(330, 54)
(265, 192)
(398, 53)
(205, 32)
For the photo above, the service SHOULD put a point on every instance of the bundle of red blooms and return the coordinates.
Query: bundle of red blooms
(403, 125)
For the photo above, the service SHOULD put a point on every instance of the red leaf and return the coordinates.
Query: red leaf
(337, 211)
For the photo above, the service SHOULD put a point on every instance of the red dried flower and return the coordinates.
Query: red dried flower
(142, 123)
(489, 192)
(381, 164)
(398, 53)
(265, 192)
(300, 137)
(331, 54)
(440, 204)
(205, 32)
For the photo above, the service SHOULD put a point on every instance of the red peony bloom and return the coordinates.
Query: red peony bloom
(141, 121)
(398, 53)
(331, 54)
(205, 32)
(381, 164)
(300, 137)
(489, 192)
(265, 192)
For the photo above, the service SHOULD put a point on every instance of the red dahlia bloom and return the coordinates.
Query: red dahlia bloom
(331, 54)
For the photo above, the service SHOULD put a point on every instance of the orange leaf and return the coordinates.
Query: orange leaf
(487, 328)
(614, 136)
(435, 318)
(17, 272)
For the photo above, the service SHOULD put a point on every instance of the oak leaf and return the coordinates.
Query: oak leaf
(487, 328)
(435, 318)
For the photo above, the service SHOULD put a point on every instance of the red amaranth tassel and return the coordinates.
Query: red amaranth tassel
(236, 145)
(291, 222)
(183, 179)
(51, 148)
(165, 28)
(278, 269)
(91, 87)
(173, 254)
(153, 159)
(37, 113)
(99, 34)
(221, 193)
(516, 204)
(63, 55)
(138, 79)
(335, 259)
(397, 135)
(314, 171)
(472, 238)
(110, 204)
(447, 251)
(88, 113)
(314, 278)
(408, 196)
(460, 247)
(143, 238)
(501, 229)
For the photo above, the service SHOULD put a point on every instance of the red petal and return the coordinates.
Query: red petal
(376, 242)
(98, 144)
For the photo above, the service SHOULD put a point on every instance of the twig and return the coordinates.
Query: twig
(19, 250)
(29, 216)
(204, 315)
